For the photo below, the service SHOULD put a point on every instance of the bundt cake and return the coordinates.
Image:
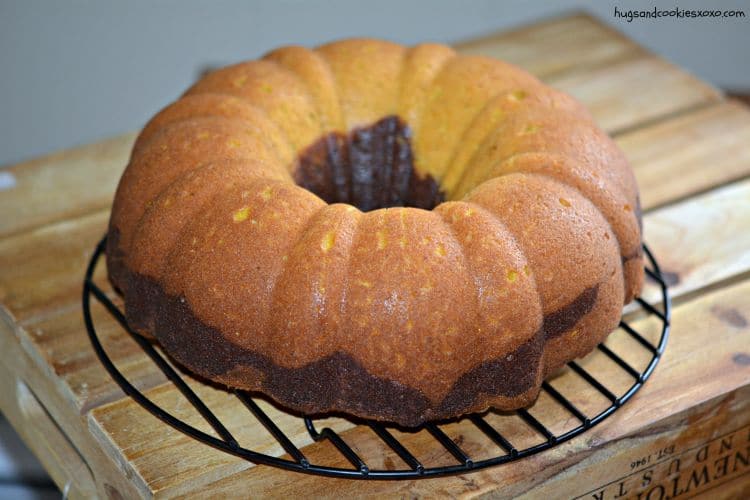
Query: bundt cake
(403, 234)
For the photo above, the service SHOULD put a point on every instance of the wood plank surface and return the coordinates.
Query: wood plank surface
(27, 415)
(690, 153)
(555, 46)
(63, 185)
(151, 451)
(41, 270)
(620, 96)
(51, 424)
(688, 148)
(720, 250)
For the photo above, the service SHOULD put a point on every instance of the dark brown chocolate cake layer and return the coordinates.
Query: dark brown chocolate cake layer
(370, 168)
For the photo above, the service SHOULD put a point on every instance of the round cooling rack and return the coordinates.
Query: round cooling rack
(648, 347)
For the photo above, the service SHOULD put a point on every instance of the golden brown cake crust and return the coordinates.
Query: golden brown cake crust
(397, 233)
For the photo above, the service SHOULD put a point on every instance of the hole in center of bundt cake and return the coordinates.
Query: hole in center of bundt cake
(370, 167)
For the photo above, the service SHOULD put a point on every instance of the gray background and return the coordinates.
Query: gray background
(76, 72)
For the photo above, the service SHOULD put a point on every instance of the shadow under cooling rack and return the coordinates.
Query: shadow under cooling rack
(585, 393)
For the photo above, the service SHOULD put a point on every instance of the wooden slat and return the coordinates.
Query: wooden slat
(50, 423)
(30, 419)
(42, 271)
(714, 424)
(63, 185)
(60, 343)
(691, 153)
(636, 91)
(688, 254)
(149, 456)
(675, 388)
(555, 46)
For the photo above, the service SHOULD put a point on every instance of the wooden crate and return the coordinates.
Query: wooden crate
(686, 433)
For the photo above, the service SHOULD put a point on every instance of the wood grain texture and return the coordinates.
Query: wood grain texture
(690, 153)
(41, 433)
(57, 342)
(686, 144)
(50, 422)
(555, 46)
(41, 269)
(63, 185)
(634, 92)
(720, 250)
(150, 456)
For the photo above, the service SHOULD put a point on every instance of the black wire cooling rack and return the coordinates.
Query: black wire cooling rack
(463, 462)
